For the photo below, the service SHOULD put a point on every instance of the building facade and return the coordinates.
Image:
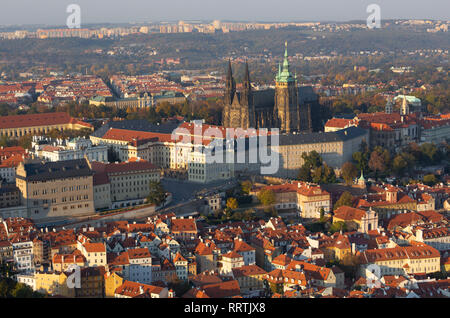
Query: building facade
(56, 189)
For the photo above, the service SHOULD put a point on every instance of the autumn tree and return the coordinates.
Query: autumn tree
(266, 197)
(246, 186)
(232, 203)
(349, 172)
(376, 162)
(346, 198)
(315, 170)
(157, 193)
(430, 179)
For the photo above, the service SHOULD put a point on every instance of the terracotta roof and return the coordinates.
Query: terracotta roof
(133, 289)
(248, 270)
(399, 252)
(232, 254)
(241, 246)
(95, 247)
(223, 289)
(32, 120)
(339, 122)
(282, 260)
(183, 225)
(347, 213)
(138, 253)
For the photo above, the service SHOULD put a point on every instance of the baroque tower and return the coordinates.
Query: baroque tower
(404, 110)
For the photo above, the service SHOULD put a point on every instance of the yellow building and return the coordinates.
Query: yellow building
(20, 125)
(415, 259)
(309, 199)
(249, 277)
(62, 262)
(53, 283)
(112, 281)
(337, 248)
(356, 219)
(56, 189)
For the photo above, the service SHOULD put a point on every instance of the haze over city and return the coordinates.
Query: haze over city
(52, 12)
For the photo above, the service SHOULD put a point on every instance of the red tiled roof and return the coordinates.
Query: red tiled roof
(338, 122)
(95, 247)
(347, 213)
(32, 120)
(184, 225)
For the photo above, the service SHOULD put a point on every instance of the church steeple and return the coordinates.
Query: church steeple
(285, 75)
(405, 106)
(247, 83)
(230, 86)
(246, 96)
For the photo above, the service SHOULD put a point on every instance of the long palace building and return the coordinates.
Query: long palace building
(20, 125)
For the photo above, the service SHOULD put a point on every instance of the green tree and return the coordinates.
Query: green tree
(276, 288)
(349, 172)
(157, 193)
(346, 198)
(304, 174)
(430, 179)
(266, 197)
(22, 291)
(361, 157)
(232, 203)
(4, 288)
(399, 164)
(323, 174)
(315, 170)
(337, 227)
(246, 186)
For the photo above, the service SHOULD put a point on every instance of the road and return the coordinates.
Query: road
(184, 202)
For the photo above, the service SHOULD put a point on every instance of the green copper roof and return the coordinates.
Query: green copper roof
(362, 176)
(285, 75)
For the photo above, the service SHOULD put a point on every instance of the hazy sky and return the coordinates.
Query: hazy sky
(53, 12)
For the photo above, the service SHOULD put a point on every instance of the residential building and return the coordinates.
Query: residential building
(401, 260)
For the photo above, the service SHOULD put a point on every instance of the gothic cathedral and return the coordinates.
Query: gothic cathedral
(288, 107)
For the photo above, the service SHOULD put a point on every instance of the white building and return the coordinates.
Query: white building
(202, 170)
(8, 172)
(246, 251)
(231, 260)
(60, 150)
(23, 256)
(140, 266)
(27, 280)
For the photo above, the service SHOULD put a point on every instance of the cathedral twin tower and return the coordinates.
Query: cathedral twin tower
(280, 108)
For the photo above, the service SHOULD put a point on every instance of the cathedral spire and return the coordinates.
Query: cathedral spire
(246, 96)
(285, 75)
(286, 61)
(230, 85)
(247, 74)
(230, 70)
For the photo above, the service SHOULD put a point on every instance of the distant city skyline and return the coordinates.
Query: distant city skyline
(53, 12)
